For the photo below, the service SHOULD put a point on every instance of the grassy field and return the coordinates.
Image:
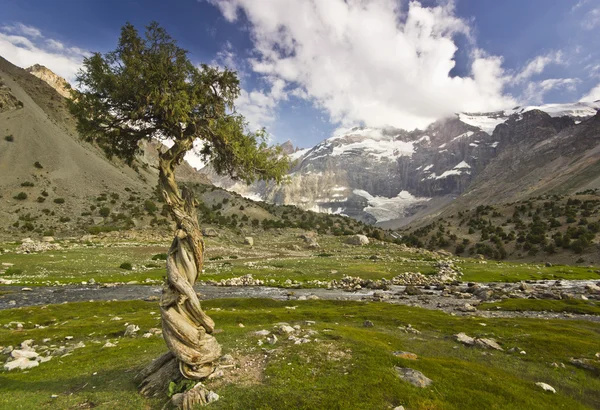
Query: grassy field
(348, 367)
(270, 260)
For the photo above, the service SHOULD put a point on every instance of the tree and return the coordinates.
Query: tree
(148, 88)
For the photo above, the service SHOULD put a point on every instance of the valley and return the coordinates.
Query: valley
(454, 267)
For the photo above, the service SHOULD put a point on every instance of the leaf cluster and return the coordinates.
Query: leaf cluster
(149, 89)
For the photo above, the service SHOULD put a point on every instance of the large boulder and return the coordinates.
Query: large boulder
(358, 240)
(414, 377)
(209, 232)
(248, 240)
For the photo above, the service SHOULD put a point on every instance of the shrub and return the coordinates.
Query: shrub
(44, 193)
(104, 211)
(27, 183)
(65, 219)
(95, 230)
(150, 206)
(159, 257)
(20, 196)
(40, 199)
(59, 201)
(37, 165)
(126, 266)
(9, 138)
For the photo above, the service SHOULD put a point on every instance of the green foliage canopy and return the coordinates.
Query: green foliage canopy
(148, 88)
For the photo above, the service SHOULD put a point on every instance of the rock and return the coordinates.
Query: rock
(26, 290)
(47, 239)
(92, 281)
(211, 396)
(209, 232)
(524, 287)
(285, 329)
(358, 240)
(272, 339)
(27, 354)
(583, 364)
(227, 358)
(21, 363)
(147, 335)
(467, 307)
(263, 332)
(131, 330)
(546, 387)
(7, 350)
(488, 344)
(405, 355)
(464, 339)
(26, 344)
(413, 290)
(368, 323)
(312, 244)
(248, 240)
(109, 344)
(414, 377)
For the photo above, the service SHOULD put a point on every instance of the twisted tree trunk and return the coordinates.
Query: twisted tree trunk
(186, 328)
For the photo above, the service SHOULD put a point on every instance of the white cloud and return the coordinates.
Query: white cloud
(22, 29)
(538, 64)
(535, 91)
(259, 106)
(370, 62)
(592, 95)
(25, 46)
(591, 19)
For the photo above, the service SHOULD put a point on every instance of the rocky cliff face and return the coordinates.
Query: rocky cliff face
(55, 81)
(389, 176)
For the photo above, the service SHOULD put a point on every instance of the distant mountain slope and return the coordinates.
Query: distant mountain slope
(55, 81)
(393, 177)
(45, 160)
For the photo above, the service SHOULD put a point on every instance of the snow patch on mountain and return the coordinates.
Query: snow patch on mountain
(387, 209)
(487, 122)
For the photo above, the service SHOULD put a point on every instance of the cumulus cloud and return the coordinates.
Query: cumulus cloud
(25, 46)
(535, 91)
(259, 107)
(370, 62)
(592, 95)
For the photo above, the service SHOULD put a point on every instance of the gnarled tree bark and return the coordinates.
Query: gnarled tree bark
(186, 327)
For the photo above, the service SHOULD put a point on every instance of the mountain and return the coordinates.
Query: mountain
(54, 183)
(53, 80)
(392, 177)
(48, 173)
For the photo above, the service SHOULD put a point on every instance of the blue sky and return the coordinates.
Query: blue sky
(309, 67)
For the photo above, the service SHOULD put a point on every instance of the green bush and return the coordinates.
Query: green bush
(126, 266)
(65, 219)
(59, 201)
(9, 138)
(150, 206)
(37, 165)
(159, 257)
(40, 199)
(104, 211)
(21, 196)
(95, 230)
(27, 183)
